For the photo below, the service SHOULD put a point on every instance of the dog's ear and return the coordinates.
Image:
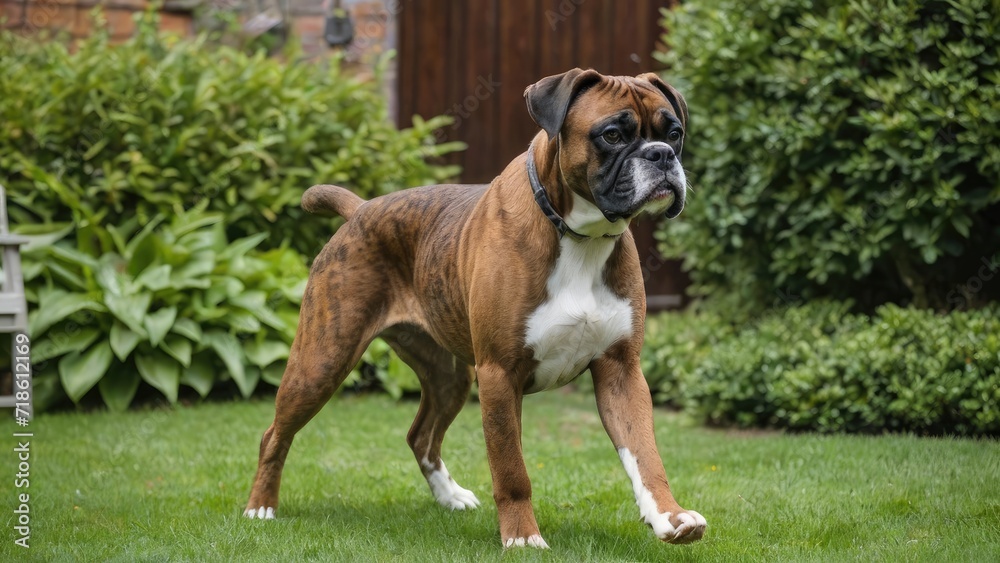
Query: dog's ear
(549, 98)
(673, 96)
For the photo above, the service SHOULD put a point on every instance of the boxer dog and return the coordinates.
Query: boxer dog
(521, 285)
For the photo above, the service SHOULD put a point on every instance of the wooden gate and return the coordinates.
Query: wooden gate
(473, 59)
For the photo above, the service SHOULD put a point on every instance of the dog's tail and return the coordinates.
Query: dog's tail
(330, 200)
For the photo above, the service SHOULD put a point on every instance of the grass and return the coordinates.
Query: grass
(161, 484)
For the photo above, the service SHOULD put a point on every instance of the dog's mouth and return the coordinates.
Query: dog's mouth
(667, 197)
(662, 195)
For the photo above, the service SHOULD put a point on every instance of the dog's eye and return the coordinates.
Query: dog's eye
(674, 135)
(612, 136)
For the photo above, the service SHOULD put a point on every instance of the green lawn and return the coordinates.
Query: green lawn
(159, 485)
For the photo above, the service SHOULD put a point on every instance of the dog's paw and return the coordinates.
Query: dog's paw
(458, 499)
(683, 527)
(530, 541)
(261, 513)
(449, 493)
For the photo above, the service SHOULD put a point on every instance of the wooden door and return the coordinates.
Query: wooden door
(473, 59)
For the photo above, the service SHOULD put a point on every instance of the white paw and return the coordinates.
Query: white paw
(530, 541)
(447, 492)
(691, 527)
(689, 521)
(457, 498)
(260, 513)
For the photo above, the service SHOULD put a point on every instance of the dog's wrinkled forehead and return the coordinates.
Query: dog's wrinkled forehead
(640, 100)
(593, 95)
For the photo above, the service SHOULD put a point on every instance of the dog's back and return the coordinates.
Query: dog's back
(407, 244)
(329, 200)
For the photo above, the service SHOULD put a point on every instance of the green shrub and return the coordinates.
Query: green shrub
(841, 149)
(167, 304)
(170, 305)
(675, 345)
(154, 126)
(818, 367)
(160, 182)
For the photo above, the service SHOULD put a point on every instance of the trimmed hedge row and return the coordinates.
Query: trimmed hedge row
(818, 367)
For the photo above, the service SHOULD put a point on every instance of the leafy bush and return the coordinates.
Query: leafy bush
(160, 183)
(153, 126)
(818, 367)
(675, 344)
(843, 149)
(170, 306)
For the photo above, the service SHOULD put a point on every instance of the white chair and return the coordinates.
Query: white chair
(13, 305)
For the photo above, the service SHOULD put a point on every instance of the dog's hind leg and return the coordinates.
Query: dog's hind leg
(332, 335)
(445, 384)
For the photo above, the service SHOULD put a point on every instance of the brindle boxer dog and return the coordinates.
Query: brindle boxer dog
(521, 285)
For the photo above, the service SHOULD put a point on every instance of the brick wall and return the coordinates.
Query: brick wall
(374, 26)
(374, 19)
(375, 23)
(72, 18)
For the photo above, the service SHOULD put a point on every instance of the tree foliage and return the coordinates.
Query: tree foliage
(843, 149)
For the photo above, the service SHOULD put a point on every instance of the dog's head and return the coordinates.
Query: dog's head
(620, 139)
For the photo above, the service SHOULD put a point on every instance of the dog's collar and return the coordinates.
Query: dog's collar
(542, 199)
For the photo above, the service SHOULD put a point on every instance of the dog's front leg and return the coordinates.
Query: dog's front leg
(626, 410)
(500, 401)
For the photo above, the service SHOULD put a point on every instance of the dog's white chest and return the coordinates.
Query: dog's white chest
(580, 319)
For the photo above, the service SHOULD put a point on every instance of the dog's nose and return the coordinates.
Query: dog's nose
(661, 154)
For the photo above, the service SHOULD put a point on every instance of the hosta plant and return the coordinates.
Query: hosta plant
(172, 303)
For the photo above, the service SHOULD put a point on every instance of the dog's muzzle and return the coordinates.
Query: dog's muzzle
(648, 178)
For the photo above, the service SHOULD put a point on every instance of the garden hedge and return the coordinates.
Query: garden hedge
(818, 367)
(838, 149)
(160, 182)
(111, 132)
